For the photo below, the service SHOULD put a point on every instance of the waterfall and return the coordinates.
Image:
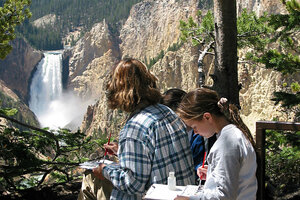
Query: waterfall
(54, 107)
(46, 90)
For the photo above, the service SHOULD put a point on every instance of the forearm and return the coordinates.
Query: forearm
(133, 171)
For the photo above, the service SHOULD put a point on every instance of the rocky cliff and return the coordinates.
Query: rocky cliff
(177, 69)
(10, 100)
(45, 21)
(258, 85)
(261, 6)
(151, 27)
(93, 45)
(17, 67)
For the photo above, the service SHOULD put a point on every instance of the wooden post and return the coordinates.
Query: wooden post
(260, 152)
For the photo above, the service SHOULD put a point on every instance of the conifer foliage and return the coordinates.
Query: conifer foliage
(71, 15)
(28, 157)
(12, 13)
(285, 58)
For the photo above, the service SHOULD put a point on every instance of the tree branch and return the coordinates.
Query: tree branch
(250, 34)
(49, 134)
(61, 163)
(211, 53)
(198, 40)
(204, 52)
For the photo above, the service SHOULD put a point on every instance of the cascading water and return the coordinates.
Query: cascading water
(46, 89)
(54, 107)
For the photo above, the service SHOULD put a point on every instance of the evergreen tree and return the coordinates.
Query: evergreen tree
(43, 152)
(71, 14)
(285, 59)
(12, 13)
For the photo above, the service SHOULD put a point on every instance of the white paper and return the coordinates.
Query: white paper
(162, 192)
(94, 164)
(190, 190)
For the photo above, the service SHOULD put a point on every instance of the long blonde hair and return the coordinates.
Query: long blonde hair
(203, 100)
(131, 83)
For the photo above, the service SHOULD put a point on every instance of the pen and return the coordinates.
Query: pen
(203, 165)
(107, 143)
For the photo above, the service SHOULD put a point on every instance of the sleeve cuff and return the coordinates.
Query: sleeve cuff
(105, 173)
(198, 197)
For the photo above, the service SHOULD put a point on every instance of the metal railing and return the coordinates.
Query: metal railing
(261, 127)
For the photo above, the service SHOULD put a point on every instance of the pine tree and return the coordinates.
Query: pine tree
(12, 13)
(286, 58)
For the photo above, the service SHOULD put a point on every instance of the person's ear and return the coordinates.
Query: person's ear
(206, 116)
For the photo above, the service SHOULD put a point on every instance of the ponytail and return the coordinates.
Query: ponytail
(231, 112)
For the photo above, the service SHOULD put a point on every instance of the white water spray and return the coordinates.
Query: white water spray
(53, 108)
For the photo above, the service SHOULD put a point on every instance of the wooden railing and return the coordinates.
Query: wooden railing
(261, 127)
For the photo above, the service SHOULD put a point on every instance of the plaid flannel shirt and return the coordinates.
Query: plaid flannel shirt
(152, 143)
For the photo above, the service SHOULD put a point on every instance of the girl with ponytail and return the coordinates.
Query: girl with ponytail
(231, 169)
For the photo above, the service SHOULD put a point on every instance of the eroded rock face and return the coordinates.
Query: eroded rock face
(90, 84)
(258, 85)
(44, 21)
(10, 100)
(93, 45)
(17, 67)
(153, 26)
(177, 69)
(261, 6)
(89, 64)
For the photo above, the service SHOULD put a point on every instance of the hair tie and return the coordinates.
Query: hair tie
(223, 105)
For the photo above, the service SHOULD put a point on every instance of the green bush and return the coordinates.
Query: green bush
(28, 157)
(283, 161)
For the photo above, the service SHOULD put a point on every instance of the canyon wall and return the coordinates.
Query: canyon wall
(261, 6)
(16, 69)
(8, 99)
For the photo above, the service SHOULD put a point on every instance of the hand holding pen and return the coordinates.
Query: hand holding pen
(111, 148)
(106, 150)
(98, 170)
(202, 171)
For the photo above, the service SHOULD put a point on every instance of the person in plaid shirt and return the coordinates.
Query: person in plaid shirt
(153, 141)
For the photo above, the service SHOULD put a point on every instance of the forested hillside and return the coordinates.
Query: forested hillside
(71, 14)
